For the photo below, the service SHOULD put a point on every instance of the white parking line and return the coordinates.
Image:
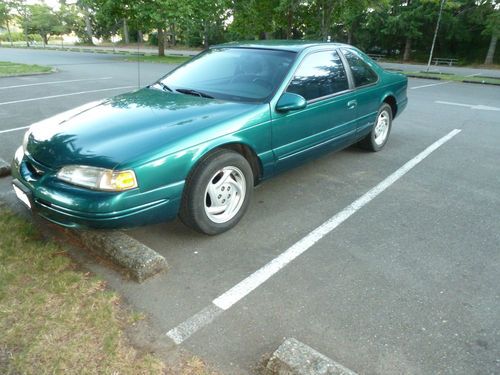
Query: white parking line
(432, 84)
(14, 129)
(471, 106)
(64, 95)
(240, 290)
(190, 326)
(54, 82)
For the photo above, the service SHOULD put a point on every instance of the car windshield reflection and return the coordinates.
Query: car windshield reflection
(234, 74)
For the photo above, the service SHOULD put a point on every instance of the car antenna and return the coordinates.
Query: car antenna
(138, 65)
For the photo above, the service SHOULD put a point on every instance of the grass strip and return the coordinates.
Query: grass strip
(9, 69)
(55, 318)
(159, 59)
(454, 77)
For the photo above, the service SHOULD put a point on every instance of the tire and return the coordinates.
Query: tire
(217, 192)
(377, 138)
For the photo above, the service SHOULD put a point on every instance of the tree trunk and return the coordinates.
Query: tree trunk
(140, 37)
(205, 35)
(349, 36)
(45, 40)
(161, 42)
(323, 28)
(126, 37)
(174, 35)
(8, 31)
(88, 26)
(26, 35)
(289, 25)
(491, 50)
(407, 53)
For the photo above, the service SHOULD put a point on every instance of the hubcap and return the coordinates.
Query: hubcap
(225, 194)
(381, 128)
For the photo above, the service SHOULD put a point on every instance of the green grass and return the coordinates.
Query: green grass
(159, 59)
(56, 319)
(9, 69)
(453, 77)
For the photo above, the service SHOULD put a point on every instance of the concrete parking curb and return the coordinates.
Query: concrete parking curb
(139, 260)
(4, 168)
(296, 358)
(111, 51)
(53, 70)
(481, 82)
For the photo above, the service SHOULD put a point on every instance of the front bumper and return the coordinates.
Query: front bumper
(75, 207)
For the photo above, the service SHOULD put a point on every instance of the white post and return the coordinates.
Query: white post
(435, 34)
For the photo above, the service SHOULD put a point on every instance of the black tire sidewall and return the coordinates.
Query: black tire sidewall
(195, 204)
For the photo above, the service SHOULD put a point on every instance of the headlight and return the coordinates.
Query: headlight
(98, 178)
(19, 155)
(25, 139)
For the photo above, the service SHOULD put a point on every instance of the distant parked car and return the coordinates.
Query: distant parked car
(194, 143)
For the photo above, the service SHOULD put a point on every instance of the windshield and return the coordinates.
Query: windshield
(235, 74)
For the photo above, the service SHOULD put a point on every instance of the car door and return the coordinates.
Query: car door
(329, 118)
(367, 94)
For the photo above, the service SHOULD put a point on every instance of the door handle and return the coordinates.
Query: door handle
(351, 104)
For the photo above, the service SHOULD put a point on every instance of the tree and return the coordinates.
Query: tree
(324, 10)
(493, 29)
(24, 14)
(352, 14)
(210, 15)
(85, 7)
(288, 16)
(6, 8)
(43, 22)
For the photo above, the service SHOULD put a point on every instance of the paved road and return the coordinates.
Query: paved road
(408, 284)
(464, 71)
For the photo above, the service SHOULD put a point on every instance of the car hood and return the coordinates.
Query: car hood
(123, 128)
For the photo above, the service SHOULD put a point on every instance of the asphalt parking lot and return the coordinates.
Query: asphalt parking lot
(409, 284)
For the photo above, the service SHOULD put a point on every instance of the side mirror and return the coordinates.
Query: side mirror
(290, 102)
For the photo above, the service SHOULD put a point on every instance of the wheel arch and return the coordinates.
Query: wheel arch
(391, 100)
(248, 153)
(239, 146)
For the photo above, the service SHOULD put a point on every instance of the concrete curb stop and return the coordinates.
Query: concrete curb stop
(139, 260)
(296, 358)
(481, 82)
(4, 168)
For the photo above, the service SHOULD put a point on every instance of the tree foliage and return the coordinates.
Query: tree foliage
(400, 28)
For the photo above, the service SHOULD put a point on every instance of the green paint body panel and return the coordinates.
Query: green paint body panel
(162, 136)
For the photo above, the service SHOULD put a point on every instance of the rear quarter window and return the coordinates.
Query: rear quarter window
(362, 72)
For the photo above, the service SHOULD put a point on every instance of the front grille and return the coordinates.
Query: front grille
(43, 202)
(34, 169)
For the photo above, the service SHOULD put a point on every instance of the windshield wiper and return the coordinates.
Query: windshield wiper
(163, 86)
(195, 93)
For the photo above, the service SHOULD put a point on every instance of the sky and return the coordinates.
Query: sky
(54, 4)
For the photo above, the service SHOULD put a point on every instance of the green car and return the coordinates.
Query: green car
(196, 142)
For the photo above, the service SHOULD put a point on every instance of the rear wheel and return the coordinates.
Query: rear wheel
(379, 135)
(217, 193)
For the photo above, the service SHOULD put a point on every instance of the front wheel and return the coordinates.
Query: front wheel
(217, 193)
(379, 135)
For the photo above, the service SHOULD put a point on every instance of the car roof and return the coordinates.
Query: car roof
(284, 45)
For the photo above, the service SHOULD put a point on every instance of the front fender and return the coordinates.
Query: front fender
(169, 167)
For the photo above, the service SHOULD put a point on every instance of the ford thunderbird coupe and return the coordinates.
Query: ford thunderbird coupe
(194, 143)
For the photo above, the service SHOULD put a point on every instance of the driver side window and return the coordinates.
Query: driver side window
(320, 74)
